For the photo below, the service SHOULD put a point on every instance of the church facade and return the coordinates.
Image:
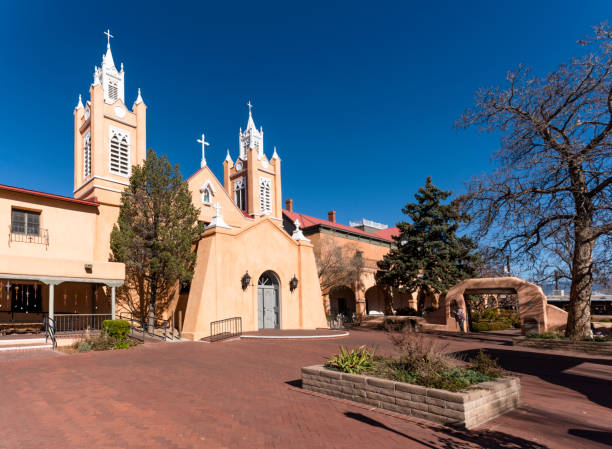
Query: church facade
(247, 265)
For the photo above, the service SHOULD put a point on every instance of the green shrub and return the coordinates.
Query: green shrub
(546, 335)
(82, 346)
(486, 365)
(482, 326)
(119, 329)
(355, 361)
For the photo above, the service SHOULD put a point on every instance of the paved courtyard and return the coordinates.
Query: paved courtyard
(244, 394)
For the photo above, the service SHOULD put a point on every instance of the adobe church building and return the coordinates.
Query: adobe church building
(57, 256)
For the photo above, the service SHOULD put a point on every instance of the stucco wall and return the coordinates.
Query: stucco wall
(224, 256)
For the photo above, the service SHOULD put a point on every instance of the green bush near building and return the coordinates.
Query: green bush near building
(494, 319)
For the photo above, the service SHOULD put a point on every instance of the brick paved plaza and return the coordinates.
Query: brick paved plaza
(242, 394)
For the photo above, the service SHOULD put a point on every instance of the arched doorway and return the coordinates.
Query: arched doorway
(341, 301)
(375, 301)
(268, 301)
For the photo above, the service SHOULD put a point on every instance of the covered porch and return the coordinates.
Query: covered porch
(29, 303)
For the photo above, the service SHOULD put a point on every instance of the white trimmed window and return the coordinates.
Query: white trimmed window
(265, 195)
(240, 194)
(119, 152)
(208, 192)
(87, 155)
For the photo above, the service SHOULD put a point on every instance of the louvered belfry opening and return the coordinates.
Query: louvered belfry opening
(119, 156)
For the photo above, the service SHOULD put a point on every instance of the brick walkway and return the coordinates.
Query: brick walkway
(241, 394)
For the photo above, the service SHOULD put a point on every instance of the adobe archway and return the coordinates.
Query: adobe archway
(535, 312)
(342, 301)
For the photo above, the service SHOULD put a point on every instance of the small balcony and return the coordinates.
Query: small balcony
(18, 235)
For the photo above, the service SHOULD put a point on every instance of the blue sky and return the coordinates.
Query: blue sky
(359, 97)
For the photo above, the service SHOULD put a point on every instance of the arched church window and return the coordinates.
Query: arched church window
(265, 195)
(240, 194)
(119, 152)
(87, 155)
(207, 192)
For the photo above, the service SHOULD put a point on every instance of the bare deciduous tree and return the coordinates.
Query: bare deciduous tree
(552, 189)
(338, 265)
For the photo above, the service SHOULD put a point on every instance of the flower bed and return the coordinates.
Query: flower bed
(469, 408)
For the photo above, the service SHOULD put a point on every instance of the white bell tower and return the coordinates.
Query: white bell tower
(251, 138)
(112, 81)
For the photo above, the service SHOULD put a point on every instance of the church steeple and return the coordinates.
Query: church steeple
(109, 77)
(251, 137)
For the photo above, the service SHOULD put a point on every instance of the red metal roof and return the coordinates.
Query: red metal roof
(49, 195)
(307, 220)
(388, 233)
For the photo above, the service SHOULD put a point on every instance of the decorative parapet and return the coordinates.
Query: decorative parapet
(468, 409)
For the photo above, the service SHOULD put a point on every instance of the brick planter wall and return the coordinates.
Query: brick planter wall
(465, 409)
(588, 347)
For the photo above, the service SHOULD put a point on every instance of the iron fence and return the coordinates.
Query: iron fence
(79, 323)
(42, 238)
(222, 329)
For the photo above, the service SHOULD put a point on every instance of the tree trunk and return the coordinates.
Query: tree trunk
(579, 314)
(152, 306)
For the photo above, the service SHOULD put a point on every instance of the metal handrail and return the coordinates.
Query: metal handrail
(227, 328)
(50, 330)
(166, 327)
(79, 322)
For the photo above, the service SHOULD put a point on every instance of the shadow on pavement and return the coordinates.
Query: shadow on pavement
(551, 367)
(450, 438)
(599, 436)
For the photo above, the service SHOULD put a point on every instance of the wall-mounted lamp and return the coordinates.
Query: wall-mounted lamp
(293, 283)
(88, 267)
(246, 280)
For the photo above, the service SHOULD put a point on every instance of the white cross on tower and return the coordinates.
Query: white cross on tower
(250, 106)
(108, 37)
(204, 145)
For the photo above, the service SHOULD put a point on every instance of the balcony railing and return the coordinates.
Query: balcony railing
(42, 238)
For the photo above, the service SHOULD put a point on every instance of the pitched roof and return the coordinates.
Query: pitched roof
(93, 202)
(307, 221)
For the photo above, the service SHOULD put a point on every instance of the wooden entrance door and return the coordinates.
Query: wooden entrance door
(268, 301)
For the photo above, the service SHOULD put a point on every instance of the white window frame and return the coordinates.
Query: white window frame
(265, 195)
(239, 185)
(120, 134)
(87, 155)
(207, 187)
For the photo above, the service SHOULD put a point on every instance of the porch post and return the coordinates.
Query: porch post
(51, 299)
(113, 301)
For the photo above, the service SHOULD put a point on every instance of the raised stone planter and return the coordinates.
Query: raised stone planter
(467, 409)
(587, 347)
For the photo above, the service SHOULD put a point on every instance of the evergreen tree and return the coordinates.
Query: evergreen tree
(428, 257)
(154, 235)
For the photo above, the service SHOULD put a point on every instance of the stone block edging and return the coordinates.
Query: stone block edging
(588, 347)
(468, 409)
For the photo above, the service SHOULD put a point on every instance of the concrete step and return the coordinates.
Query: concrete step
(26, 347)
(11, 342)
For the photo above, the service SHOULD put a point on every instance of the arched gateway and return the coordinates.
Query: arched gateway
(268, 301)
(536, 314)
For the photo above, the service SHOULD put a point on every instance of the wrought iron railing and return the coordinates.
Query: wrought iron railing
(50, 330)
(228, 328)
(42, 238)
(67, 323)
(164, 329)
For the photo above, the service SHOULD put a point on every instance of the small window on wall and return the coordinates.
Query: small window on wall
(25, 222)
(240, 194)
